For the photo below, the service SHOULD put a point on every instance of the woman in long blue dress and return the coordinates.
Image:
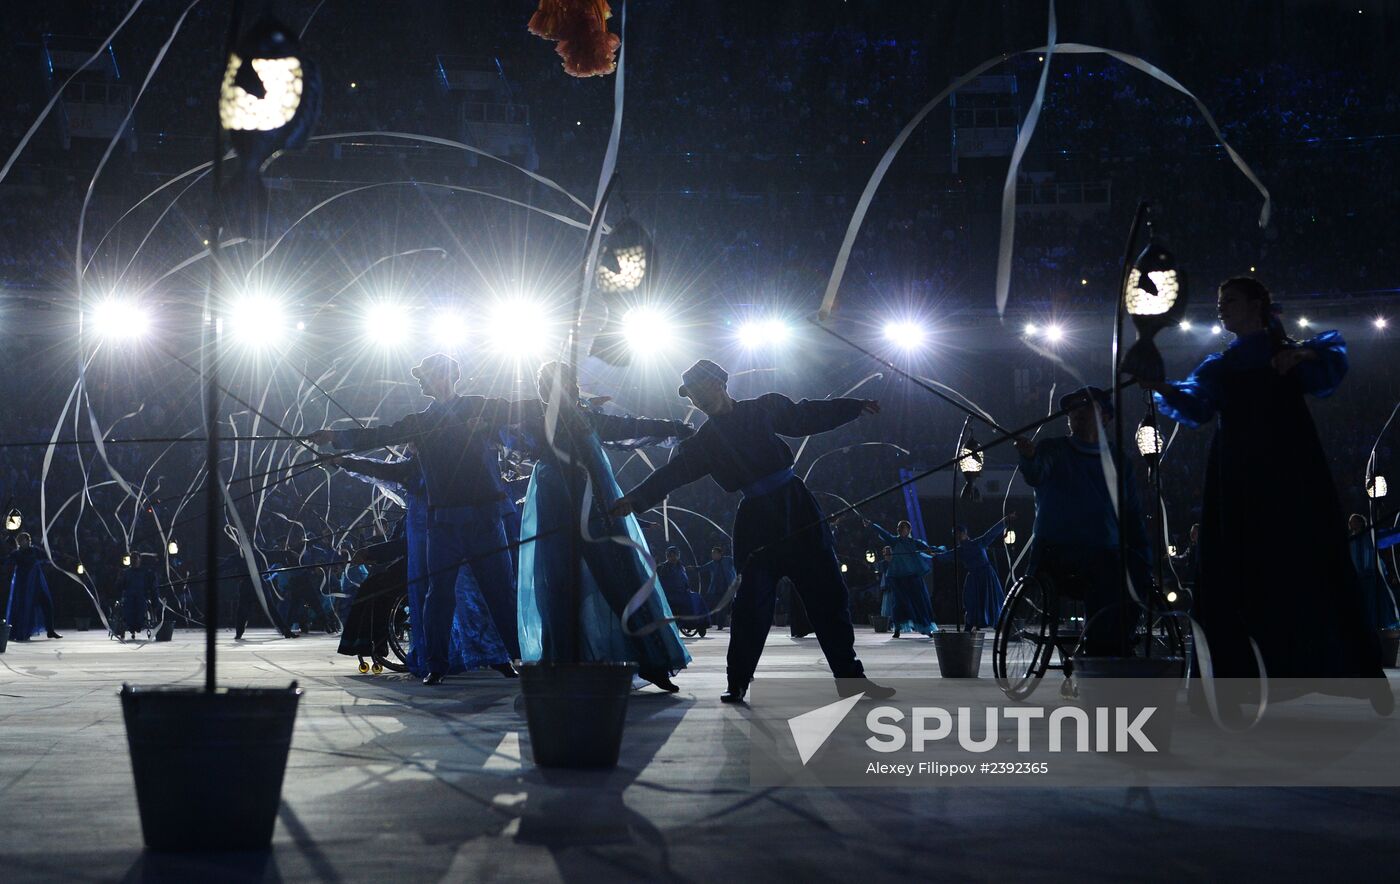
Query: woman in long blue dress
(611, 572)
(1275, 570)
(982, 589)
(913, 612)
(475, 642)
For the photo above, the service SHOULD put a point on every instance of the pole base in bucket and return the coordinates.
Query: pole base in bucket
(209, 766)
(4, 635)
(879, 623)
(576, 712)
(959, 653)
(1130, 686)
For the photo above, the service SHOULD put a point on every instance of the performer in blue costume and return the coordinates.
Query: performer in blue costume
(1076, 524)
(29, 595)
(886, 591)
(464, 528)
(475, 642)
(675, 583)
(779, 529)
(611, 572)
(1275, 568)
(982, 589)
(1372, 575)
(137, 587)
(716, 575)
(904, 577)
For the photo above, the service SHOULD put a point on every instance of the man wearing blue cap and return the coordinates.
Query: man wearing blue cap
(465, 495)
(779, 530)
(1076, 524)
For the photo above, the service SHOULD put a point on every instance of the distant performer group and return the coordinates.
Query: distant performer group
(1278, 583)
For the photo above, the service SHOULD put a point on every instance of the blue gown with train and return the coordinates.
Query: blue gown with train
(904, 578)
(982, 589)
(28, 589)
(611, 573)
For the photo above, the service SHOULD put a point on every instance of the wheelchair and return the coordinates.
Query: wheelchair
(376, 629)
(1041, 627)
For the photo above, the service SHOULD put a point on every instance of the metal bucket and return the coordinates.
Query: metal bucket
(576, 712)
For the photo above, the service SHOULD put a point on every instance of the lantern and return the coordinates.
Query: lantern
(1376, 487)
(626, 263)
(81, 569)
(971, 459)
(13, 520)
(1149, 438)
(1155, 297)
(1010, 538)
(173, 548)
(126, 560)
(870, 556)
(1171, 550)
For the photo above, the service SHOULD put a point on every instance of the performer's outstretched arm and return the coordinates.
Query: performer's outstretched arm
(1322, 364)
(812, 416)
(1191, 401)
(613, 427)
(687, 465)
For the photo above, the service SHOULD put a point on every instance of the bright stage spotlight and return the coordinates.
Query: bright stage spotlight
(386, 323)
(449, 328)
(1054, 333)
(257, 321)
(1031, 329)
(1216, 329)
(648, 331)
(120, 319)
(1380, 323)
(520, 328)
(906, 334)
(1185, 325)
(1303, 322)
(758, 333)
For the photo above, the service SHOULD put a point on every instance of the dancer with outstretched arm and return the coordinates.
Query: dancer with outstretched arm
(779, 530)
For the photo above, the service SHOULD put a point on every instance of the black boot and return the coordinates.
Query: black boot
(849, 687)
(433, 678)
(661, 680)
(53, 634)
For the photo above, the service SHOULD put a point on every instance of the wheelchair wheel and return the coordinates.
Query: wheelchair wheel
(399, 638)
(1025, 637)
(364, 666)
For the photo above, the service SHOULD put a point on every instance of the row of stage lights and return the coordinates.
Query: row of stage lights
(1055, 333)
(519, 326)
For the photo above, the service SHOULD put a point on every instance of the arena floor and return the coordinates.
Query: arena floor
(389, 781)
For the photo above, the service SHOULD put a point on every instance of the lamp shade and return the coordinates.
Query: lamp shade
(13, 520)
(81, 570)
(173, 548)
(970, 457)
(1010, 537)
(1149, 438)
(126, 560)
(1154, 296)
(1376, 487)
(870, 556)
(626, 259)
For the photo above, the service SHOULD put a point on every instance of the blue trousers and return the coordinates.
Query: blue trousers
(469, 539)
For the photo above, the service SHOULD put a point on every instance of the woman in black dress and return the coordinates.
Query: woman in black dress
(1274, 564)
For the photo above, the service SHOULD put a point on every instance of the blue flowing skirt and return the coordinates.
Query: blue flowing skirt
(610, 574)
(982, 597)
(913, 612)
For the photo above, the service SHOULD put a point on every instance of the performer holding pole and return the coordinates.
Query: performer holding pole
(779, 529)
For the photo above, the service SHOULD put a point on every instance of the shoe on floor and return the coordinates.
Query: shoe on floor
(53, 634)
(849, 687)
(732, 696)
(432, 678)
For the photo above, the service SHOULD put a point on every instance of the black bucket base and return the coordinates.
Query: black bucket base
(209, 767)
(4, 635)
(166, 631)
(959, 653)
(879, 623)
(576, 712)
(82, 624)
(1133, 684)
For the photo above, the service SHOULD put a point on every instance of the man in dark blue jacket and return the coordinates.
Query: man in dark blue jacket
(465, 496)
(779, 530)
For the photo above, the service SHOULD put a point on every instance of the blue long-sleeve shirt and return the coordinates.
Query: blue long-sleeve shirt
(1072, 503)
(910, 554)
(743, 445)
(451, 454)
(972, 553)
(718, 574)
(673, 579)
(1195, 400)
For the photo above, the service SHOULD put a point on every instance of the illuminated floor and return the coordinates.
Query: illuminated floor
(390, 781)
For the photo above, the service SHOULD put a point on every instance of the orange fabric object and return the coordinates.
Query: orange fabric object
(580, 30)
